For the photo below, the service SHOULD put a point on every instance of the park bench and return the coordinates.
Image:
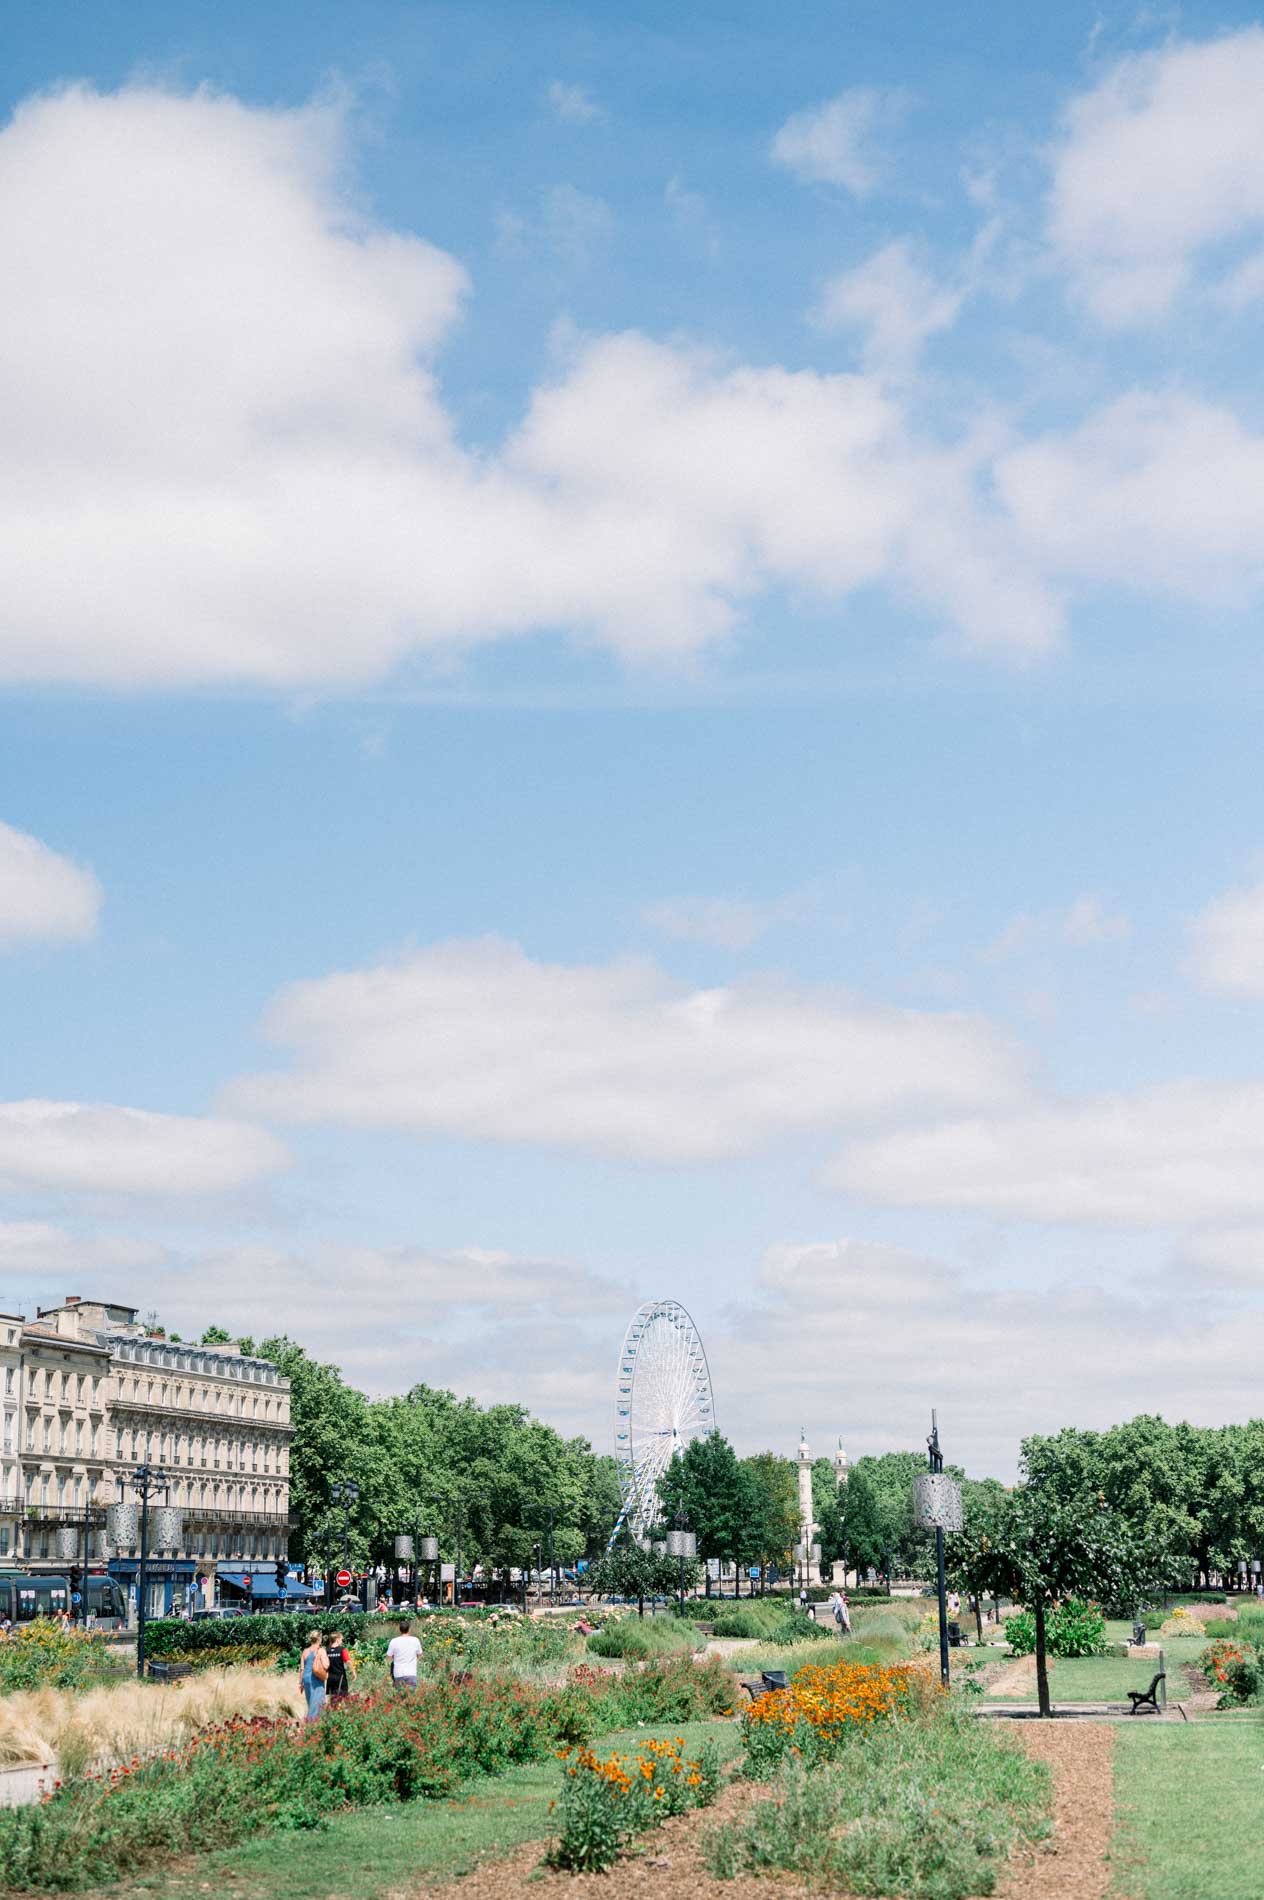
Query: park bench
(771, 1682)
(1147, 1698)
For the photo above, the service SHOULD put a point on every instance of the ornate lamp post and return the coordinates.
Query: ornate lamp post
(346, 1492)
(682, 1543)
(937, 1507)
(168, 1534)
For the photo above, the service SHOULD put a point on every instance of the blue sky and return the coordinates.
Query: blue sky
(629, 666)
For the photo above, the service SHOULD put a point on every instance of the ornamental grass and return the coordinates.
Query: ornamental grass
(128, 1718)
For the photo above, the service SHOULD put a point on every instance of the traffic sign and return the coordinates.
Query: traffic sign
(343, 1579)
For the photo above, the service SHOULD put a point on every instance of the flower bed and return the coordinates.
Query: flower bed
(605, 1802)
(1236, 1669)
(247, 1775)
(822, 1707)
(41, 1655)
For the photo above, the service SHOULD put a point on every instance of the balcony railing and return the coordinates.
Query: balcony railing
(237, 1421)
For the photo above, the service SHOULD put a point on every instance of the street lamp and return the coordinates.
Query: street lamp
(682, 1543)
(346, 1492)
(169, 1525)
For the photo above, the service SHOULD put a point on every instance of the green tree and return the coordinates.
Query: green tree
(774, 1507)
(628, 1571)
(829, 1501)
(718, 1496)
(1036, 1547)
(215, 1336)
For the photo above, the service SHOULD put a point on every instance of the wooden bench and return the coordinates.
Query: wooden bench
(1147, 1698)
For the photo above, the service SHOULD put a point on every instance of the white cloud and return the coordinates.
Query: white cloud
(44, 898)
(727, 923)
(895, 303)
(912, 1332)
(1155, 492)
(476, 1039)
(250, 477)
(1161, 161)
(97, 1147)
(1183, 1153)
(831, 143)
(30, 1247)
(1228, 943)
(574, 105)
(479, 1322)
(1087, 923)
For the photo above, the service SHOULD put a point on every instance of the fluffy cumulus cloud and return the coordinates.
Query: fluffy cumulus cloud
(894, 303)
(1161, 162)
(476, 1039)
(1161, 492)
(96, 1147)
(35, 1247)
(474, 1320)
(251, 476)
(1228, 943)
(44, 898)
(1182, 1153)
(910, 1331)
(833, 143)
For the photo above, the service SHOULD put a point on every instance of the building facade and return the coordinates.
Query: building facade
(11, 1325)
(101, 1395)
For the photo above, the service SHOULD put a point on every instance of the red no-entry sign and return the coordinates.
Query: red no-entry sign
(343, 1579)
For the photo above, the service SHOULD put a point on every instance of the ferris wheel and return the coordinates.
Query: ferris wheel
(662, 1400)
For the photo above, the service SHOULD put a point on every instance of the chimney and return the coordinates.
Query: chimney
(71, 1299)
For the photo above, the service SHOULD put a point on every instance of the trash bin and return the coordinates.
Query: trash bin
(954, 1636)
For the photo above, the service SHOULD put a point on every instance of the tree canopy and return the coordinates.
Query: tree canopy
(420, 1457)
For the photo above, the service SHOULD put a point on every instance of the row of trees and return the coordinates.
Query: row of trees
(426, 1457)
(1192, 1495)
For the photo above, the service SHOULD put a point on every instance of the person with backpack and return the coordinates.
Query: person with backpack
(341, 1670)
(313, 1674)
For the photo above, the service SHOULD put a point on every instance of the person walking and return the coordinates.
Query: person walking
(836, 1609)
(341, 1670)
(403, 1653)
(313, 1674)
(845, 1609)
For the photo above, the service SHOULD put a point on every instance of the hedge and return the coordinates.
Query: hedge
(282, 1630)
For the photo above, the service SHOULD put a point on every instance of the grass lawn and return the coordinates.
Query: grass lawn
(372, 1852)
(1099, 1679)
(1187, 1806)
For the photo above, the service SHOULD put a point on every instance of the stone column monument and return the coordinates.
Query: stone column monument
(811, 1571)
(841, 1468)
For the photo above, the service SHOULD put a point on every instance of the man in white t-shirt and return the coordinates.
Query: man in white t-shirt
(403, 1653)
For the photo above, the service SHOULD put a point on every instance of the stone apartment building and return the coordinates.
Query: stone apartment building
(11, 1325)
(99, 1395)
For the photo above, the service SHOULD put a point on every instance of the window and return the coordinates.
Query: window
(8, 1379)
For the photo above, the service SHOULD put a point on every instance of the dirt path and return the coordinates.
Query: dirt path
(664, 1865)
(1072, 1864)
(1013, 1679)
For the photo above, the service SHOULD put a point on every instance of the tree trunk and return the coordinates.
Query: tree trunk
(640, 1606)
(978, 1618)
(1042, 1660)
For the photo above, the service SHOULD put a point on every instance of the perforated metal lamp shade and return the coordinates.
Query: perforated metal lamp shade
(404, 1549)
(122, 1524)
(67, 1544)
(167, 1528)
(429, 1550)
(682, 1544)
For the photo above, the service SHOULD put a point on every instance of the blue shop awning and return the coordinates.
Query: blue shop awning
(293, 1588)
(237, 1578)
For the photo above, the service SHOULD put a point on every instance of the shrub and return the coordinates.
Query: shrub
(639, 1638)
(41, 1655)
(1071, 1629)
(926, 1805)
(606, 1802)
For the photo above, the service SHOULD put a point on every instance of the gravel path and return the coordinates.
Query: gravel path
(1072, 1864)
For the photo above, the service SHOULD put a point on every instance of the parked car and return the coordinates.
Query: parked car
(220, 1609)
